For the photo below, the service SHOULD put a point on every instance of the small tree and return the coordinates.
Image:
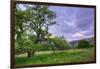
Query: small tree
(60, 43)
(83, 44)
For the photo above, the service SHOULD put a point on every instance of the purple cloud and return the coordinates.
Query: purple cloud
(74, 22)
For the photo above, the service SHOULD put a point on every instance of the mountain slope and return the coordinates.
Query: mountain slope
(90, 40)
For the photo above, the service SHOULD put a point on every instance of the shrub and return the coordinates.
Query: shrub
(83, 44)
(60, 43)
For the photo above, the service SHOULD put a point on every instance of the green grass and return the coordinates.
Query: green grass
(49, 57)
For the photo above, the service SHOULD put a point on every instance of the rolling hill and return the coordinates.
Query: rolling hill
(75, 42)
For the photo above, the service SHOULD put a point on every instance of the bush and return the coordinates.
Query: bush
(59, 43)
(83, 44)
(28, 45)
(23, 45)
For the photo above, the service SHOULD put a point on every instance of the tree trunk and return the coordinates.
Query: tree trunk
(30, 54)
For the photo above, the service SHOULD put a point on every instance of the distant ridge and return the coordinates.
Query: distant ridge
(90, 40)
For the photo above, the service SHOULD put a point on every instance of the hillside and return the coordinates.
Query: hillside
(90, 40)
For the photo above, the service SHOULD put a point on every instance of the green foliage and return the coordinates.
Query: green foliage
(23, 44)
(45, 46)
(29, 24)
(39, 17)
(18, 48)
(83, 44)
(60, 44)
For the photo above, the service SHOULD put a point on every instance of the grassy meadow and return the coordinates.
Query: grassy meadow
(63, 56)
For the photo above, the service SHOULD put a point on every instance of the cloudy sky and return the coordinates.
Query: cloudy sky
(73, 23)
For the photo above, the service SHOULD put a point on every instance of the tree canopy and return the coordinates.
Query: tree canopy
(31, 26)
(84, 44)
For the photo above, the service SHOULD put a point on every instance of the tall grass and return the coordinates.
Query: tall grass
(65, 56)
